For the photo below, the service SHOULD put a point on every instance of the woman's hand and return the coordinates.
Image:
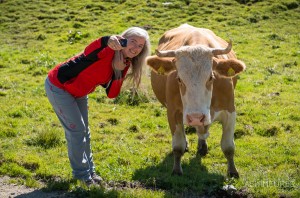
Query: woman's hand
(118, 61)
(113, 42)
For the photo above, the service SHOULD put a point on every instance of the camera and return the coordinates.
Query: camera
(123, 42)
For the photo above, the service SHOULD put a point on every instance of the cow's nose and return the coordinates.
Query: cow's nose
(195, 119)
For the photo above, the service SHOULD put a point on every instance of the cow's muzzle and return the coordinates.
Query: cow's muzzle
(195, 119)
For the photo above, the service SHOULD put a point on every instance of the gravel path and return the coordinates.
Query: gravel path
(13, 190)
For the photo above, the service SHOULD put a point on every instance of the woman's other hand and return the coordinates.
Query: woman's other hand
(118, 62)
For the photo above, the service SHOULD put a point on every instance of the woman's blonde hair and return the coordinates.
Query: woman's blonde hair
(140, 60)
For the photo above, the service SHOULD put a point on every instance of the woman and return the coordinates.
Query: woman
(104, 62)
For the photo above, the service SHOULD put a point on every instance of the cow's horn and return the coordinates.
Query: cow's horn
(223, 51)
(166, 53)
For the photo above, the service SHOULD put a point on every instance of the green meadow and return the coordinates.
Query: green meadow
(131, 140)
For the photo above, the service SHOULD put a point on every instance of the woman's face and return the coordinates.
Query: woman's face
(135, 45)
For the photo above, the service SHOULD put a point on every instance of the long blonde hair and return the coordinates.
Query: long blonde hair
(140, 60)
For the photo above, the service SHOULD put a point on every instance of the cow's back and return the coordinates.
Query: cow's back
(189, 35)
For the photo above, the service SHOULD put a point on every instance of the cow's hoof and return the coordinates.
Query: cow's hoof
(186, 149)
(202, 147)
(234, 174)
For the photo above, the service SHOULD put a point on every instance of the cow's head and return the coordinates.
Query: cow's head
(196, 68)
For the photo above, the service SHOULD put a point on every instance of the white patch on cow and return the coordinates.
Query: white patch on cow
(194, 67)
(224, 117)
(227, 120)
(179, 138)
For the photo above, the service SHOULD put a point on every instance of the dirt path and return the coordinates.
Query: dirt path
(12, 190)
(18, 191)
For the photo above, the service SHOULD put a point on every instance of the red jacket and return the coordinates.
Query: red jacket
(81, 74)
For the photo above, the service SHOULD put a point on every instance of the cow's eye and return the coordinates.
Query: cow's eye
(211, 78)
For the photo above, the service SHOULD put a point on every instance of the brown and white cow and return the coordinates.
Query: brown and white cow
(193, 75)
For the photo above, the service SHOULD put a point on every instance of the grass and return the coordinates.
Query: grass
(130, 136)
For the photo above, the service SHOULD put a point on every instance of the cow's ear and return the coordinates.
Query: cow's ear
(228, 67)
(161, 66)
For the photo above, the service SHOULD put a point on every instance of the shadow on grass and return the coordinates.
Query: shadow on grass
(195, 181)
(61, 189)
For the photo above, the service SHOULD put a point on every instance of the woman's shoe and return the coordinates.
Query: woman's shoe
(96, 178)
(88, 182)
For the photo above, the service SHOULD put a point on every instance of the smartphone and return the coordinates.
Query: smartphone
(123, 42)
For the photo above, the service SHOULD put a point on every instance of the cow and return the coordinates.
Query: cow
(193, 74)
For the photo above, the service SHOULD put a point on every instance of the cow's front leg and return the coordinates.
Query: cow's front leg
(203, 134)
(179, 145)
(179, 141)
(227, 142)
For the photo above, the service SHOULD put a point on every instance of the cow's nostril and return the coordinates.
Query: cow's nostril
(202, 118)
(195, 119)
(189, 118)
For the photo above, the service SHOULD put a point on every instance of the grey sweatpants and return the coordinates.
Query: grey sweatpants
(73, 115)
